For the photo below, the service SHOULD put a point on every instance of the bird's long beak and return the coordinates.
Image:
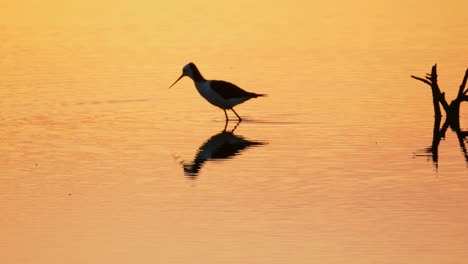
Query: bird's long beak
(177, 80)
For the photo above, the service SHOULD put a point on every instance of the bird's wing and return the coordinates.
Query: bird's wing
(228, 90)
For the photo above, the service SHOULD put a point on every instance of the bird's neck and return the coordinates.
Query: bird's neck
(196, 75)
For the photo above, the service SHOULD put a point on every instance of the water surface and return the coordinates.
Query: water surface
(97, 153)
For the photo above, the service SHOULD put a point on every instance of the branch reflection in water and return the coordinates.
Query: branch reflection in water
(224, 145)
(438, 134)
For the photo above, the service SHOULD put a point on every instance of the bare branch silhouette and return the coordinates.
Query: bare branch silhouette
(452, 111)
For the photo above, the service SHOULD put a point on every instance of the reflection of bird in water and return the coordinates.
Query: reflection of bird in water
(223, 145)
(224, 95)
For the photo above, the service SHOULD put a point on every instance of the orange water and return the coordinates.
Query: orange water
(93, 142)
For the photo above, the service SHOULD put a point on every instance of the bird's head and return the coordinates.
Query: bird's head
(188, 70)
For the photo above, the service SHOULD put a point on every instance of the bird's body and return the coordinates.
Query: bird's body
(224, 95)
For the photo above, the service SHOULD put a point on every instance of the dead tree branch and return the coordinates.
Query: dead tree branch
(452, 111)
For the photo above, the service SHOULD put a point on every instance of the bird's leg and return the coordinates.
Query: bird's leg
(240, 119)
(238, 123)
(227, 118)
(225, 125)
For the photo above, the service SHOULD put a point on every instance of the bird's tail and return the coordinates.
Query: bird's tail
(255, 95)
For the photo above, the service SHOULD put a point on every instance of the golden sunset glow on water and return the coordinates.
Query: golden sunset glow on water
(102, 163)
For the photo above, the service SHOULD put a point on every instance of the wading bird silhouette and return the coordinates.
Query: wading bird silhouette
(222, 94)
